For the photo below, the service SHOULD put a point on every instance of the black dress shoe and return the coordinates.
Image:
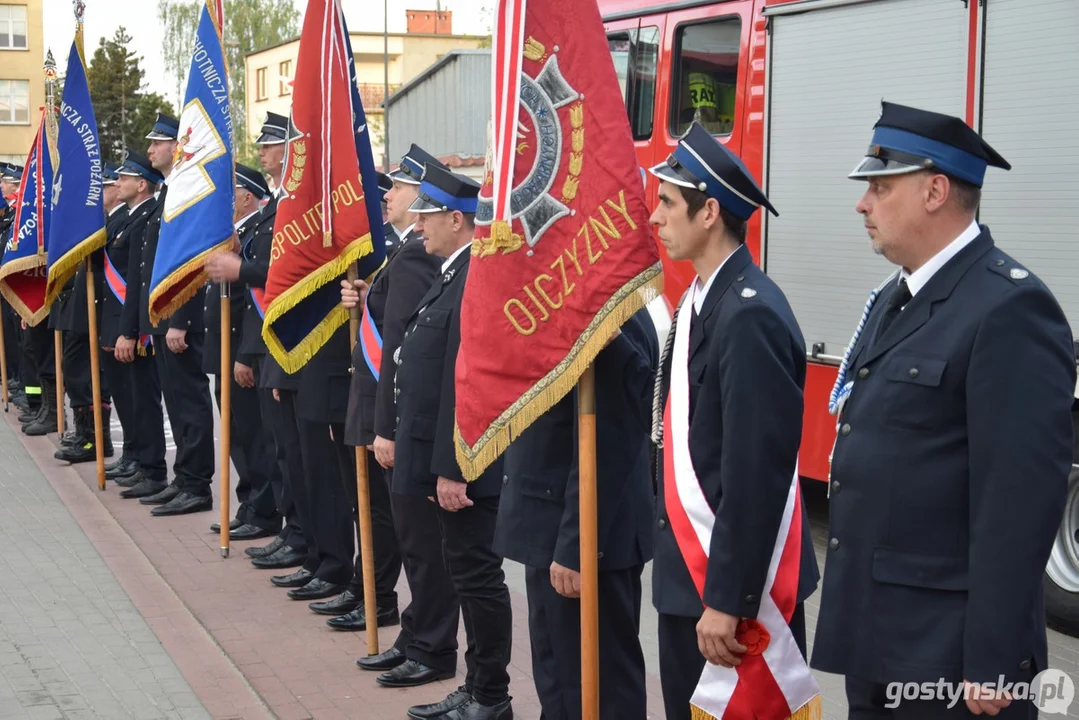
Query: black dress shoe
(473, 710)
(383, 661)
(122, 460)
(285, 557)
(129, 481)
(293, 580)
(144, 488)
(122, 468)
(250, 532)
(162, 497)
(316, 590)
(411, 674)
(183, 504)
(455, 699)
(346, 602)
(234, 523)
(257, 552)
(357, 619)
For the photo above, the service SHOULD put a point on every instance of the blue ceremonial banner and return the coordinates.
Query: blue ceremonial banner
(22, 271)
(197, 218)
(78, 226)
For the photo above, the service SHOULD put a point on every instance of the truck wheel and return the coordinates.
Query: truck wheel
(1062, 571)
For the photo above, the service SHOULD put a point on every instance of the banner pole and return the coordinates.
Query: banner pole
(3, 359)
(58, 357)
(225, 379)
(586, 422)
(363, 506)
(95, 373)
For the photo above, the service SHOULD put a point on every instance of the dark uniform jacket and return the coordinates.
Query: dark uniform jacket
(69, 309)
(949, 477)
(126, 252)
(747, 370)
(254, 266)
(425, 406)
(322, 394)
(538, 514)
(393, 297)
(211, 354)
(189, 316)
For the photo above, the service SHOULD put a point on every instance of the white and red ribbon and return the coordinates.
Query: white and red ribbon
(508, 53)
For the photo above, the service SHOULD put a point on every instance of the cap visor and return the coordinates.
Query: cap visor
(875, 167)
(269, 140)
(419, 205)
(665, 172)
(159, 136)
(400, 176)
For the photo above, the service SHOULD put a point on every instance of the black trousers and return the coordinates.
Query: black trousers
(325, 462)
(39, 353)
(251, 452)
(191, 414)
(476, 571)
(292, 497)
(554, 627)
(76, 366)
(147, 436)
(121, 380)
(12, 339)
(876, 701)
(387, 553)
(681, 662)
(429, 623)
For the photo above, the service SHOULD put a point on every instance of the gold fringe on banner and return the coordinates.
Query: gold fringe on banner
(812, 710)
(292, 361)
(65, 267)
(17, 267)
(182, 275)
(542, 396)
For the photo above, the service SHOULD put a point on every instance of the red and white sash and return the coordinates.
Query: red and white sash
(773, 682)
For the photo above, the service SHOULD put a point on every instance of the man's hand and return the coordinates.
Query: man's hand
(384, 451)
(125, 350)
(245, 376)
(223, 267)
(276, 395)
(715, 638)
(565, 582)
(353, 294)
(176, 340)
(984, 701)
(452, 495)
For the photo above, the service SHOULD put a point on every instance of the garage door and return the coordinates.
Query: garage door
(1031, 116)
(831, 68)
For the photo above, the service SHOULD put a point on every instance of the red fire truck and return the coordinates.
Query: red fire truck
(794, 87)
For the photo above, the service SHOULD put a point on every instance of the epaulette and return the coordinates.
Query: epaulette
(1009, 269)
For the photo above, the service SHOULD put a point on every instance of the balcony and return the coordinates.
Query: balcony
(372, 95)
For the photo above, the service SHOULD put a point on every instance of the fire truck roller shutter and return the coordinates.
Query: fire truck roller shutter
(1030, 103)
(830, 68)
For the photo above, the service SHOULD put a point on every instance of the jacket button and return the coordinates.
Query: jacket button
(662, 523)
(845, 429)
(834, 543)
(914, 372)
(863, 373)
(1025, 665)
(751, 599)
(351, 370)
(505, 479)
(547, 492)
(999, 263)
(835, 486)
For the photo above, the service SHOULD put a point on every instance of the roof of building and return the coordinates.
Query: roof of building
(446, 59)
(371, 34)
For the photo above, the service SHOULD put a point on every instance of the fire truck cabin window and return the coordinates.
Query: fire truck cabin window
(635, 53)
(706, 75)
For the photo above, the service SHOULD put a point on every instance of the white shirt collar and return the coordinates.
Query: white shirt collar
(145, 200)
(246, 218)
(700, 293)
(402, 235)
(451, 258)
(918, 279)
(117, 208)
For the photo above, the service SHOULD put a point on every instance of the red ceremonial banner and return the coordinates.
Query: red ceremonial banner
(563, 253)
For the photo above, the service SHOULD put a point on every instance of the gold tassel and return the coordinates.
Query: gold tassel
(66, 266)
(542, 397)
(812, 710)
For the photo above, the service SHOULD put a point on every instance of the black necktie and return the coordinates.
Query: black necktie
(896, 301)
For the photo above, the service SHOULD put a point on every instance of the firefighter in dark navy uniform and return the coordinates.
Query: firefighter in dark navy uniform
(950, 469)
(120, 333)
(746, 364)
(425, 462)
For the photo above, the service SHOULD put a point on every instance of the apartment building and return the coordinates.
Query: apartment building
(22, 81)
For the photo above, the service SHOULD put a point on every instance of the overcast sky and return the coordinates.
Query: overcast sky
(104, 16)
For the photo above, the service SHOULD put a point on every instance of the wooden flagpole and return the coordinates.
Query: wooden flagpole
(586, 429)
(3, 360)
(95, 373)
(58, 356)
(363, 506)
(225, 380)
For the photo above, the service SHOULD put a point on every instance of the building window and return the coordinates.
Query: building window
(635, 53)
(706, 76)
(13, 27)
(14, 102)
(260, 84)
(285, 71)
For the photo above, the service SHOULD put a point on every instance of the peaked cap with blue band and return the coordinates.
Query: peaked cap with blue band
(13, 173)
(701, 162)
(445, 191)
(110, 173)
(137, 165)
(274, 131)
(907, 139)
(166, 128)
(412, 164)
(385, 184)
(251, 180)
